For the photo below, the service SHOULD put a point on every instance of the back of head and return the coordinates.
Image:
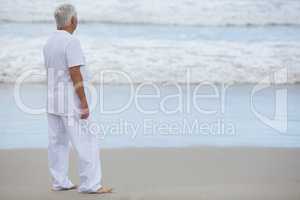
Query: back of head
(63, 15)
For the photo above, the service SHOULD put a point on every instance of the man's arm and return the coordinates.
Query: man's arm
(78, 85)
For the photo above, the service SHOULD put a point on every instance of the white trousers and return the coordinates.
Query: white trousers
(63, 130)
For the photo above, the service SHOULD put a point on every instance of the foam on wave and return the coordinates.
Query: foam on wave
(161, 61)
(177, 12)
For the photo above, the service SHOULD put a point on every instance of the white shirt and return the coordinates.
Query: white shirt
(61, 52)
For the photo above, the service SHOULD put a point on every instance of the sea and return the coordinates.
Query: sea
(243, 55)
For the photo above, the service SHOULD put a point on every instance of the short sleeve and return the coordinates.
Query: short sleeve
(74, 54)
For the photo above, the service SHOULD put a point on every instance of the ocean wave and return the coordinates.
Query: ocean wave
(138, 60)
(272, 24)
(174, 12)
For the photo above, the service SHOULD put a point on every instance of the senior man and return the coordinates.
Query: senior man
(67, 108)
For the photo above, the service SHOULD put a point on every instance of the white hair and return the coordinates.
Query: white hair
(63, 15)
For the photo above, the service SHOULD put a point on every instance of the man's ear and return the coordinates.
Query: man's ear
(73, 22)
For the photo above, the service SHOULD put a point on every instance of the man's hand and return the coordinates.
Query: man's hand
(84, 114)
(76, 77)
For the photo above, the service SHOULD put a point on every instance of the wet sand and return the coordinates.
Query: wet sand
(157, 173)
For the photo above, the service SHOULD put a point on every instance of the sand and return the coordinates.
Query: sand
(187, 173)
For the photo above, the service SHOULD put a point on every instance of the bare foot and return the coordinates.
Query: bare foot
(102, 190)
(65, 189)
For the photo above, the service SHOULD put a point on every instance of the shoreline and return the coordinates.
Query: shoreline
(183, 148)
(179, 117)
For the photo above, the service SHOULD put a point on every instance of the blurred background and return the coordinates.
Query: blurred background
(153, 40)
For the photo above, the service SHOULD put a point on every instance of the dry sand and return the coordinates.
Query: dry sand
(189, 173)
